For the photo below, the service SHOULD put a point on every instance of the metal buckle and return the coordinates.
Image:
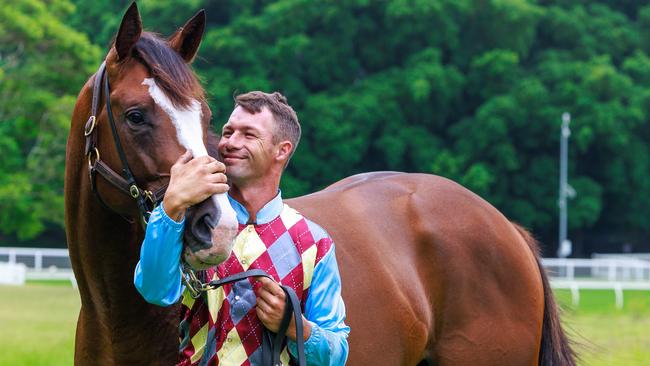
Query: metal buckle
(91, 164)
(193, 284)
(148, 195)
(135, 192)
(149, 207)
(90, 125)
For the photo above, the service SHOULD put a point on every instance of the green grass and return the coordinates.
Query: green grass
(605, 335)
(38, 324)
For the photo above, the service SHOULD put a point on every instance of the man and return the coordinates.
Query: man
(224, 326)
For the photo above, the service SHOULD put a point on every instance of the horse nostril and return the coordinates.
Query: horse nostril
(200, 230)
(201, 218)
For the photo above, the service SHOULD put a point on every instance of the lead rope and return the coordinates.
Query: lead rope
(271, 342)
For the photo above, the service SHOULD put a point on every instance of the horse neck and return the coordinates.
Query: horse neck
(104, 249)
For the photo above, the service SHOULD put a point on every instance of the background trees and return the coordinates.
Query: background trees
(43, 64)
(471, 90)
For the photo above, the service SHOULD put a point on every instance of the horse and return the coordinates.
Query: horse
(132, 125)
(432, 274)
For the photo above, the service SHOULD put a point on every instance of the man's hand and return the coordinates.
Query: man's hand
(270, 309)
(191, 182)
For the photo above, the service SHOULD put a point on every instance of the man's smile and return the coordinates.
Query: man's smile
(231, 158)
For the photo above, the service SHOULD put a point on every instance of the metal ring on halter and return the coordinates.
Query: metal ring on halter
(192, 283)
(91, 164)
(90, 125)
(135, 192)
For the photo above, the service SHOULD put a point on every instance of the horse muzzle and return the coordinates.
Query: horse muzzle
(211, 228)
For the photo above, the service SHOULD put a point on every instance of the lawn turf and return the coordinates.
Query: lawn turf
(605, 335)
(37, 323)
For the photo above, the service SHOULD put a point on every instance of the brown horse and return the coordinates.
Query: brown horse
(432, 274)
(138, 124)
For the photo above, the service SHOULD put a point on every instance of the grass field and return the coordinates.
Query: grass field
(37, 323)
(606, 335)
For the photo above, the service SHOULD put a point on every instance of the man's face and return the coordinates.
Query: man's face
(246, 145)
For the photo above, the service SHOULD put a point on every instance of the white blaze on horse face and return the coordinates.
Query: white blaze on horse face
(187, 121)
(190, 134)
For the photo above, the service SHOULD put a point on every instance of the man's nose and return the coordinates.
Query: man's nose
(232, 142)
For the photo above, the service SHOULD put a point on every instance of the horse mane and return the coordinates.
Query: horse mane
(172, 74)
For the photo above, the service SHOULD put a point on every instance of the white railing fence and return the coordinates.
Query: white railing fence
(40, 263)
(609, 269)
(607, 272)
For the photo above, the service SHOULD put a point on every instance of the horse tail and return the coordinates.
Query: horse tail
(555, 348)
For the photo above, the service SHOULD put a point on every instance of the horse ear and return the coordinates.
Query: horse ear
(129, 33)
(186, 40)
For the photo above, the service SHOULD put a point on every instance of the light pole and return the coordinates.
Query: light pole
(564, 245)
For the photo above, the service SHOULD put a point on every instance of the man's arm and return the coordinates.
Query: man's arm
(158, 274)
(325, 311)
(325, 332)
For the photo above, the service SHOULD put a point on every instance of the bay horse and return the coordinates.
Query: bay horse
(432, 274)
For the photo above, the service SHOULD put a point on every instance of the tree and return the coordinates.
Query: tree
(43, 63)
(471, 90)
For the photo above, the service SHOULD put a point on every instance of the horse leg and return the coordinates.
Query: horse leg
(488, 341)
(490, 309)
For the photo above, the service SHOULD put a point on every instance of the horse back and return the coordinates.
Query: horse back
(417, 254)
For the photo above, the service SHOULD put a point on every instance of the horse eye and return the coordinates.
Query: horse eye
(135, 117)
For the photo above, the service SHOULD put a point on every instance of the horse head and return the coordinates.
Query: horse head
(155, 111)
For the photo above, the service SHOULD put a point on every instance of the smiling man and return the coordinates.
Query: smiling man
(224, 326)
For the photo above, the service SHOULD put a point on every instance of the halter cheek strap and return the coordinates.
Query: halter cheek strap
(146, 200)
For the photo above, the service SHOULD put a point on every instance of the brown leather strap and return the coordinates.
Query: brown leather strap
(112, 177)
(90, 130)
(145, 200)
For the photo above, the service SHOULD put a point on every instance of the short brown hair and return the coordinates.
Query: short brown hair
(287, 126)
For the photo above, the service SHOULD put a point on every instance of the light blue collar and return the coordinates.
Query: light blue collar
(269, 212)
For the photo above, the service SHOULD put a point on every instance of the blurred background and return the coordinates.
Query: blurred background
(472, 90)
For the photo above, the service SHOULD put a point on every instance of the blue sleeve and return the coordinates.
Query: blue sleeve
(158, 273)
(325, 311)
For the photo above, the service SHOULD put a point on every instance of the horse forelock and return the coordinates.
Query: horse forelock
(171, 73)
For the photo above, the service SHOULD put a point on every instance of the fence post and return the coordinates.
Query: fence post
(38, 260)
(575, 294)
(618, 290)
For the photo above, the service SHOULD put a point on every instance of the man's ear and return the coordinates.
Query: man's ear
(129, 33)
(284, 150)
(187, 39)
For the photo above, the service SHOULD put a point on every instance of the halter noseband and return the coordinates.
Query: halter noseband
(145, 199)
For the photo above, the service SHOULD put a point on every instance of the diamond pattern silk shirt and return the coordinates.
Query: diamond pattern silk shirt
(222, 328)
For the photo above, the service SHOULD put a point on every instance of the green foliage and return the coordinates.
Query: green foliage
(471, 90)
(43, 65)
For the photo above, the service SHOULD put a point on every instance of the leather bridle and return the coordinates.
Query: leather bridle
(146, 200)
